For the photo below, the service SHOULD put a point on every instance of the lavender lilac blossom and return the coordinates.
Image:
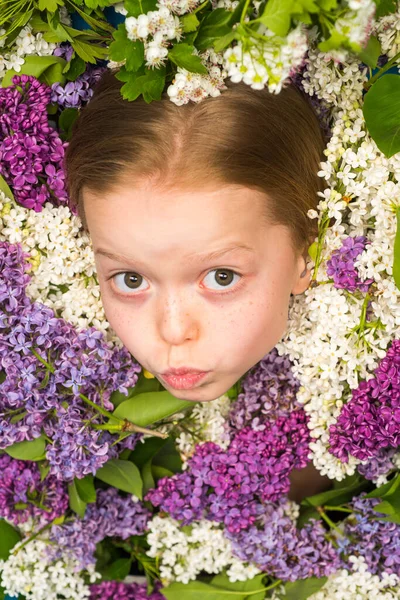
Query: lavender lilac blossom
(378, 465)
(118, 590)
(33, 400)
(31, 151)
(376, 540)
(370, 421)
(227, 486)
(23, 495)
(111, 515)
(275, 545)
(269, 392)
(341, 265)
(75, 94)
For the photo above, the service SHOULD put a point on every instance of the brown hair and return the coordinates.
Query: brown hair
(268, 142)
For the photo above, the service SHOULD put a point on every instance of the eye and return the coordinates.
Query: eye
(133, 281)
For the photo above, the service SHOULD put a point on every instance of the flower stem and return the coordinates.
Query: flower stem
(339, 508)
(120, 424)
(381, 71)
(328, 521)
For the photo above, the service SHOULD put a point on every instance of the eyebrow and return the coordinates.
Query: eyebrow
(200, 258)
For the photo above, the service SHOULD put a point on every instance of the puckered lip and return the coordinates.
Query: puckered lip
(182, 371)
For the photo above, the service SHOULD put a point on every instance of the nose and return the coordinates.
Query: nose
(178, 319)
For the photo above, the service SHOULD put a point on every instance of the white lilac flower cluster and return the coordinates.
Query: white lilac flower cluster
(268, 63)
(26, 43)
(360, 584)
(63, 273)
(29, 572)
(362, 194)
(388, 32)
(183, 552)
(206, 423)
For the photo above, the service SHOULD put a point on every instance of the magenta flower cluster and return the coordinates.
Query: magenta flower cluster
(269, 392)
(34, 400)
(341, 265)
(31, 151)
(370, 421)
(24, 496)
(228, 486)
(118, 590)
(275, 545)
(111, 515)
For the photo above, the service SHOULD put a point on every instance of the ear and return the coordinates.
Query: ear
(302, 275)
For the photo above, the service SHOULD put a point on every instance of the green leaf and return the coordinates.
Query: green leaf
(58, 28)
(312, 250)
(75, 501)
(182, 55)
(197, 590)
(50, 5)
(66, 120)
(85, 488)
(338, 496)
(125, 49)
(370, 54)
(215, 25)
(303, 588)
(89, 52)
(118, 570)
(160, 472)
(147, 476)
(148, 82)
(327, 5)
(37, 66)
(145, 451)
(149, 408)
(301, 6)
(381, 491)
(8, 538)
(44, 468)
(74, 68)
(33, 450)
(6, 189)
(221, 580)
(123, 475)
(382, 113)
(384, 7)
(168, 457)
(335, 41)
(396, 254)
(138, 7)
(189, 22)
(224, 41)
(276, 16)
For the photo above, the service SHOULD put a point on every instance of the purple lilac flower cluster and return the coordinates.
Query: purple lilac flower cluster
(341, 265)
(377, 465)
(31, 151)
(111, 515)
(269, 392)
(370, 421)
(376, 540)
(23, 495)
(227, 486)
(33, 400)
(118, 590)
(275, 545)
(74, 94)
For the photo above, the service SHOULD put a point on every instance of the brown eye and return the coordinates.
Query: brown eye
(128, 281)
(222, 277)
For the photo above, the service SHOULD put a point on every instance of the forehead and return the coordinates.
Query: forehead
(144, 214)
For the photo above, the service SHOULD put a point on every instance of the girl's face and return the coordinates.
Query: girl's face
(173, 292)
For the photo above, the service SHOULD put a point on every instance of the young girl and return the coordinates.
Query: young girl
(198, 219)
